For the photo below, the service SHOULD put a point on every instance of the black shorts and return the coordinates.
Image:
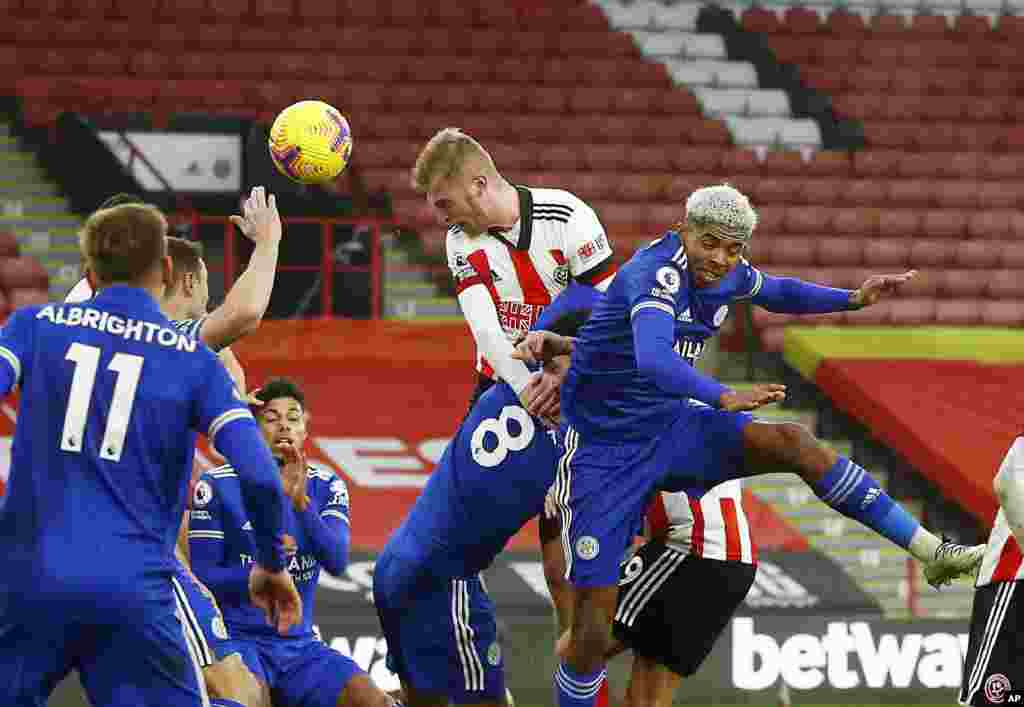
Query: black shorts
(672, 606)
(994, 668)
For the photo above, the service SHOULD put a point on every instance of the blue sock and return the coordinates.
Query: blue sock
(854, 492)
(218, 702)
(574, 689)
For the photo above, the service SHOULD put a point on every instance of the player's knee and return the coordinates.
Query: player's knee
(230, 679)
(362, 692)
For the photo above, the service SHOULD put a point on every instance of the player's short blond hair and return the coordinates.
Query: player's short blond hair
(444, 156)
(725, 208)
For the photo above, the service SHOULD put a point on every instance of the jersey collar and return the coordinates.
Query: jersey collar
(521, 234)
(134, 297)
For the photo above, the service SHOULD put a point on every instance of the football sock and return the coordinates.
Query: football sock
(852, 491)
(574, 689)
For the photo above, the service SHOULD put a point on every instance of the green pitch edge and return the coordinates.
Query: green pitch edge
(804, 348)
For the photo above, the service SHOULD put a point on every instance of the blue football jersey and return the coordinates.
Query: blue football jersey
(604, 395)
(491, 480)
(110, 392)
(222, 547)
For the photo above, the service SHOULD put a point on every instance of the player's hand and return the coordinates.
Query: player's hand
(878, 286)
(759, 395)
(542, 346)
(294, 474)
(275, 594)
(259, 221)
(550, 503)
(251, 400)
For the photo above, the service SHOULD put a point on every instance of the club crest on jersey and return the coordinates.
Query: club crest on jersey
(631, 569)
(203, 494)
(218, 628)
(494, 654)
(997, 687)
(587, 547)
(721, 314)
(561, 275)
(668, 278)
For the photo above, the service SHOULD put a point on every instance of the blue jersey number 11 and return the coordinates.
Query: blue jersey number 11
(87, 360)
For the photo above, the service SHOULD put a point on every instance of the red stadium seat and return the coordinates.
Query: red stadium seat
(645, 158)
(771, 219)
(740, 161)
(773, 190)
(911, 192)
(680, 186)
(856, 222)
(989, 225)
(912, 311)
(823, 190)
(604, 157)
(930, 253)
(864, 192)
(760, 19)
(898, 223)
(792, 251)
(947, 223)
(999, 195)
(932, 26)
(977, 254)
(875, 163)
(784, 163)
(561, 158)
(839, 251)
(961, 284)
(808, 219)
(22, 272)
(1004, 284)
(1002, 313)
(956, 194)
(886, 252)
(8, 245)
(843, 23)
(957, 312)
(924, 284)
(591, 100)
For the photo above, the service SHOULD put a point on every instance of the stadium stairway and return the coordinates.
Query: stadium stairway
(878, 566)
(409, 291)
(32, 209)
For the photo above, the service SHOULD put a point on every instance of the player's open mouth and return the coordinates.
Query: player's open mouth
(282, 440)
(709, 276)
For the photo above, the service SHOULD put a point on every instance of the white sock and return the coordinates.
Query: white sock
(923, 545)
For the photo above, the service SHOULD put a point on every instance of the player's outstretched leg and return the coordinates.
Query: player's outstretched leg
(850, 489)
(553, 560)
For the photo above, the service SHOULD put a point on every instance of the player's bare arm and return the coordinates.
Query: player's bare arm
(246, 303)
(543, 346)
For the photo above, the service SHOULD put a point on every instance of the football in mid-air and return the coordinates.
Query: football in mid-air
(310, 142)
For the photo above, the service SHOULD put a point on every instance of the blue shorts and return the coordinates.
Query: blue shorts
(603, 488)
(300, 672)
(205, 631)
(131, 663)
(442, 637)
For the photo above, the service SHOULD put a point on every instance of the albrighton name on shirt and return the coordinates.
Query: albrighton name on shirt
(149, 332)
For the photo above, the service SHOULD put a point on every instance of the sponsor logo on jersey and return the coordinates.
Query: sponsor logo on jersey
(199, 515)
(587, 547)
(668, 278)
(203, 494)
(685, 316)
(870, 497)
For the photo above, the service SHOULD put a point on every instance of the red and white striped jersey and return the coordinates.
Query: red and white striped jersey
(1003, 561)
(714, 526)
(558, 238)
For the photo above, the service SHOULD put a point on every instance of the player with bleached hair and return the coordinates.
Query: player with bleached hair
(638, 409)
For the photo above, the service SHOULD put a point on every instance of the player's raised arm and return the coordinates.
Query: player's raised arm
(246, 303)
(789, 295)
(326, 519)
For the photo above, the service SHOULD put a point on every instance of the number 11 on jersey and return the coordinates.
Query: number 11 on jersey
(128, 368)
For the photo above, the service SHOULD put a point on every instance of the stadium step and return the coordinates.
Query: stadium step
(31, 207)
(875, 564)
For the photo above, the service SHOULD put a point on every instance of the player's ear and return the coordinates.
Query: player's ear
(479, 185)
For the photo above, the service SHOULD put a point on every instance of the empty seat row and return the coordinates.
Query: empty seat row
(256, 64)
(944, 136)
(896, 107)
(711, 72)
(840, 78)
(787, 133)
(891, 223)
(718, 102)
(259, 12)
(351, 39)
(511, 98)
(874, 191)
(798, 20)
(829, 51)
(673, 43)
(966, 257)
(647, 15)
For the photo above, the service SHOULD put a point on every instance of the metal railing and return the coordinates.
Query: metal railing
(328, 266)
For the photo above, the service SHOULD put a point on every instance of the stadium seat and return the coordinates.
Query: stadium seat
(1002, 313)
(945, 223)
(8, 245)
(856, 222)
(977, 254)
(863, 192)
(841, 252)
(886, 252)
(912, 311)
(957, 312)
(22, 272)
(960, 284)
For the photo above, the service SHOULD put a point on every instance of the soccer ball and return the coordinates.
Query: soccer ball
(310, 142)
